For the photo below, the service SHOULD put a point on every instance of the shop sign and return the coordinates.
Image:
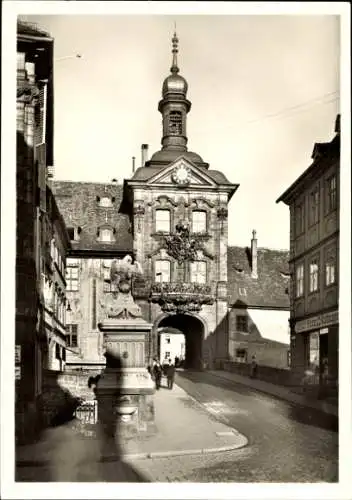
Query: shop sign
(317, 322)
(17, 373)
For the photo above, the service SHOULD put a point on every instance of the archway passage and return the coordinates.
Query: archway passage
(193, 331)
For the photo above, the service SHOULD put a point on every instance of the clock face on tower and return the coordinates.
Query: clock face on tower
(181, 175)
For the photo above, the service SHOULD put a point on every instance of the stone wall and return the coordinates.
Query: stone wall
(267, 373)
(62, 392)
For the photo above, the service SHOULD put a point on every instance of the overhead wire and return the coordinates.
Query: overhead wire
(286, 112)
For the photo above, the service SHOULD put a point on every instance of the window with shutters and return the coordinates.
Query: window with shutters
(40, 115)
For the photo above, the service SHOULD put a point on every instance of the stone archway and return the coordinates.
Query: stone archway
(193, 329)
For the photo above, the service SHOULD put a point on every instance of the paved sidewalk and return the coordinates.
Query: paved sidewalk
(71, 453)
(278, 391)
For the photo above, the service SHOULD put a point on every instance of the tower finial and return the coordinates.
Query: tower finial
(174, 67)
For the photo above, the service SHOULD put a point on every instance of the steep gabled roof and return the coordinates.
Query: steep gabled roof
(269, 289)
(77, 202)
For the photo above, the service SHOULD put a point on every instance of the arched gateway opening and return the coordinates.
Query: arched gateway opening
(193, 330)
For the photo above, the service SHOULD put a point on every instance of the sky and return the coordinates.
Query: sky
(264, 89)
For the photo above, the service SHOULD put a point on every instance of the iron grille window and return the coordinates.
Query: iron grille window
(242, 323)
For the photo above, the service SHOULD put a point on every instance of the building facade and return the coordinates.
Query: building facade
(98, 234)
(313, 200)
(172, 217)
(54, 305)
(34, 155)
(259, 307)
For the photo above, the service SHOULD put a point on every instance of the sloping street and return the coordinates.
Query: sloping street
(287, 443)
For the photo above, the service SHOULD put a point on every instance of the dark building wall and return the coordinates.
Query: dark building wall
(33, 66)
(314, 239)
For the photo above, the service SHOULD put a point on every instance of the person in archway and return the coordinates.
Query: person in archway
(157, 372)
(170, 374)
(254, 367)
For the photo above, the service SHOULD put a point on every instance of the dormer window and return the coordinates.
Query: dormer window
(105, 234)
(74, 233)
(105, 201)
(71, 233)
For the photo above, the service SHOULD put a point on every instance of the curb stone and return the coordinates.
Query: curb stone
(199, 451)
(289, 398)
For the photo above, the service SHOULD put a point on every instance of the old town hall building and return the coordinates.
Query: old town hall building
(172, 217)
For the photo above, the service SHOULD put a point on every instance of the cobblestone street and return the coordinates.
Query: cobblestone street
(286, 443)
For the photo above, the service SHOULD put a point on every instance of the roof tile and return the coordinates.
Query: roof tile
(270, 289)
(77, 201)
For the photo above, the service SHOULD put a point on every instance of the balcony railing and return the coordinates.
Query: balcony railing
(181, 297)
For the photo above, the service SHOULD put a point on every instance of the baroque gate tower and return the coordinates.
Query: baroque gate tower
(178, 209)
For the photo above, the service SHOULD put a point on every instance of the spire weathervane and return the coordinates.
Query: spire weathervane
(174, 67)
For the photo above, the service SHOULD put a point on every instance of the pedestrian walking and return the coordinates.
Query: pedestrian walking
(254, 367)
(157, 372)
(170, 374)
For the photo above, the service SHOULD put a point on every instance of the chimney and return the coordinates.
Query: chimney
(134, 164)
(144, 154)
(254, 255)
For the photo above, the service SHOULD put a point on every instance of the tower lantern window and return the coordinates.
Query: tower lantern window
(175, 122)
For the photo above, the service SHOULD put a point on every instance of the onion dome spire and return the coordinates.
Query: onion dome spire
(174, 68)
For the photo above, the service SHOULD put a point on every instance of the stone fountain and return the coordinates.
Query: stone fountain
(125, 389)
